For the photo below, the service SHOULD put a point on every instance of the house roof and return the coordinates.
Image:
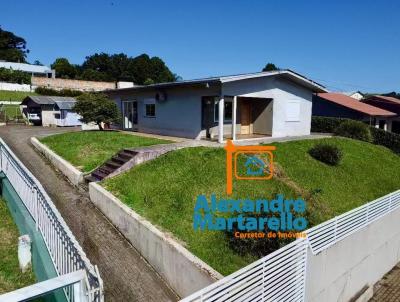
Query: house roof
(386, 98)
(349, 93)
(288, 74)
(349, 102)
(65, 105)
(25, 67)
(49, 100)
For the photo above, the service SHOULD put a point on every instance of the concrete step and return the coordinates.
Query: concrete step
(99, 175)
(112, 164)
(124, 154)
(120, 160)
(90, 178)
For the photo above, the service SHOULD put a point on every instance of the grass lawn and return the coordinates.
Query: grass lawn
(88, 149)
(11, 277)
(6, 95)
(164, 190)
(11, 111)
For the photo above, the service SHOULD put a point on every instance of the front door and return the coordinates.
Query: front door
(245, 117)
(129, 109)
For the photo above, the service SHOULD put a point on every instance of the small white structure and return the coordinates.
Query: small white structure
(51, 111)
(24, 253)
(34, 70)
(65, 115)
(355, 95)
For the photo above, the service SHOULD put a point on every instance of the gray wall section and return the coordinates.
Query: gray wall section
(361, 259)
(180, 114)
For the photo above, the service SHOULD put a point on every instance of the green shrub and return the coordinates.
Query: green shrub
(387, 139)
(354, 129)
(326, 153)
(325, 124)
(53, 92)
(14, 76)
(258, 247)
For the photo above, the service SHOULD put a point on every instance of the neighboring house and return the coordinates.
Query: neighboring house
(343, 106)
(355, 95)
(388, 103)
(34, 70)
(276, 103)
(50, 111)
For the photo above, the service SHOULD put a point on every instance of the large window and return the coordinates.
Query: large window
(227, 110)
(150, 108)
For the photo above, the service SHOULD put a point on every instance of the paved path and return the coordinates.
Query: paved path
(127, 277)
(388, 289)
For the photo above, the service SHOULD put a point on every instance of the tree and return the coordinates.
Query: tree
(12, 47)
(96, 108)
(38, 63)
(64, 69)
(270, 67)
(119, 67)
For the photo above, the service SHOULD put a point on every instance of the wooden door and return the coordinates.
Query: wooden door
(245, 117)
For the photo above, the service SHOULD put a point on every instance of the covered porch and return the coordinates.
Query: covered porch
(236, 118)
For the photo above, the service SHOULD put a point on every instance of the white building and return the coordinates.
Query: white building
(34, 70)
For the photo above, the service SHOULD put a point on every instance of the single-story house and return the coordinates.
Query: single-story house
(275, 103)
(387, 103)
(342, 106)
(50, 111)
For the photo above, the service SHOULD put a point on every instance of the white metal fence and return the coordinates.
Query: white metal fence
(66, 253)
(281, 275)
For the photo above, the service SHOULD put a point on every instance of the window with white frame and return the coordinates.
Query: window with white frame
(150, 108)
(293, 111)
(228, 108)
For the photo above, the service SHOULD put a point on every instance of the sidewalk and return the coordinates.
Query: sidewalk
(388, 288)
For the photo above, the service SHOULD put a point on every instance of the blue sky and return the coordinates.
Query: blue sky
(346, 45)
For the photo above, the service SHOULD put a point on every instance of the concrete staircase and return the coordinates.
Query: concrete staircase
(111, 165)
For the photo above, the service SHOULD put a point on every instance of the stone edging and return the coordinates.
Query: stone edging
(182, 270)
(73, 174)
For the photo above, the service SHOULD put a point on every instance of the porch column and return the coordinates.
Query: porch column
(221, 115)
(234, 107)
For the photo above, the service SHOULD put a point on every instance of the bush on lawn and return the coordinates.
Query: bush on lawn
(258, 247)
(355, 130)
(387, 139)
(327, 154)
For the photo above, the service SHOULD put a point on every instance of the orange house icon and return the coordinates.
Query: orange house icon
(232, 152)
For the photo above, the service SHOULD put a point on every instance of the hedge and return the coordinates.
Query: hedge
(379, 136)
(53, 92)
(14, 76)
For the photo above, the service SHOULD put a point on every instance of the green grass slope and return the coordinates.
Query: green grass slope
(88, 149)
(164, 190)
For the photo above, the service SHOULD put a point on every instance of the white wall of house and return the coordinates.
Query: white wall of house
(292, 103)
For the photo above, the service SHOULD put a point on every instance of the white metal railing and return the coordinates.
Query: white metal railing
(66, 253)
(281, 275)
(75, 281)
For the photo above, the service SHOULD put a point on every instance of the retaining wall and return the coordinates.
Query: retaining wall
(358, 261)
(73, 174)
(183, 271)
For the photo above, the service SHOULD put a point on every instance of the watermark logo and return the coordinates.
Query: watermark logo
(248, 162)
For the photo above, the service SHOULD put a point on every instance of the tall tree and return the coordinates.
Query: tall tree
(12, 47)
(270, 67)
(64, 69)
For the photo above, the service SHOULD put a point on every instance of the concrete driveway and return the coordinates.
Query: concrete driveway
(127, 276)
